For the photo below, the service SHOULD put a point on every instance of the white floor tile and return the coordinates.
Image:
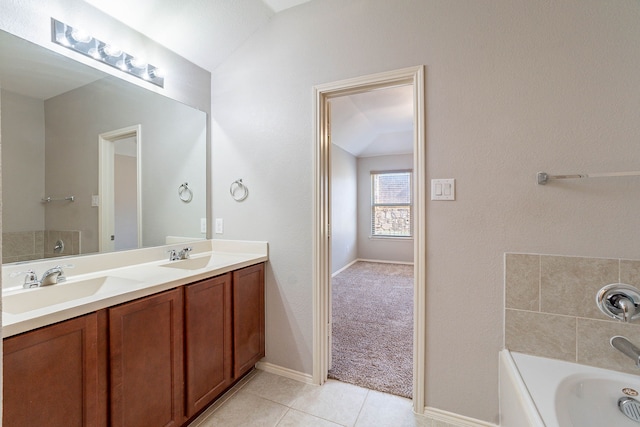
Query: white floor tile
(276, 388)
(246, 410)
(386, 410)
(334, 401)
(268, 400)
(295, 418)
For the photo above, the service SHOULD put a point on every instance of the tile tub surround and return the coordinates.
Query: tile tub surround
(550, 308)
(21, 246)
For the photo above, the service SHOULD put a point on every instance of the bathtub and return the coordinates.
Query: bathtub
(540, 392)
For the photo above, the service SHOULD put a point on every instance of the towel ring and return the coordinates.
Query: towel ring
(185, 193)
(238, 190)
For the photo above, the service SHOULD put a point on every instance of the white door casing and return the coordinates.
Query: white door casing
(106, 191)
(322, 227)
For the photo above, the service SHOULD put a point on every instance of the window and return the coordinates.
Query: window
(391, 204)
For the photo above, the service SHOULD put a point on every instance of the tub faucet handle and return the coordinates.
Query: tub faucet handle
(627, 307)
(619, 301)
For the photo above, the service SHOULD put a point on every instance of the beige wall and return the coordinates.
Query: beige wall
(344, 208)
(173, 144)
(550, 308)
(512, 87)
(24, 138)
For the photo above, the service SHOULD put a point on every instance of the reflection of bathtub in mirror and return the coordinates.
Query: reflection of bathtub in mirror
(50, 128)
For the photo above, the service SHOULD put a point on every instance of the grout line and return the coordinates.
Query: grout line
(282, 417)
(364, 402)
(576, 331)
(540, 283)
(220, 401)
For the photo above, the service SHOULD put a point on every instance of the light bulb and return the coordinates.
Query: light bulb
(80, 36)
(138, 62)
(112, 50)
(155, 72)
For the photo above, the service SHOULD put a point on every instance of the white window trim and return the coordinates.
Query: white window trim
(373, 206)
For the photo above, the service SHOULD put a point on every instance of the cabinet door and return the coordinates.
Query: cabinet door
(51, 376)
(146, 361)
(248, 318)
(207, 341)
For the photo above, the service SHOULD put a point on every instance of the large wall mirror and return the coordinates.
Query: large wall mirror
(92, 163)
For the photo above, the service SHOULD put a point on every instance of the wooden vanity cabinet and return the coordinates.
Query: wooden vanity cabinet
(156, 361)
(52, 375)
(146, 361)
(248, 318)
(208, 341)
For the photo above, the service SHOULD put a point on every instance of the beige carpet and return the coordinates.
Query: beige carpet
(373, 327)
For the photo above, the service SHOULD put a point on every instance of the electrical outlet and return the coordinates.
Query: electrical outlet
(203, 225)
(219, 226)
(95, 200)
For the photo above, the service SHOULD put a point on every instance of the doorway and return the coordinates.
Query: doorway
(119, 198)
(371, 300)
(322, 217)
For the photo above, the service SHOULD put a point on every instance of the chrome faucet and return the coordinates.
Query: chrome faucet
(184, 253)
(627, 348)
(174, 255)
(50, 277)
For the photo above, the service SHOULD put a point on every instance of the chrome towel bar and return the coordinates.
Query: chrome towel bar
(544, 177)
(53, 199)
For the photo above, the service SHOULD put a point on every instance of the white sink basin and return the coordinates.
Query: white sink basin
(189, 264)
(33, 299)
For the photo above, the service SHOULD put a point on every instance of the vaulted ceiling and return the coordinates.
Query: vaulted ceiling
(368, 124)
(221, 25)
(375, 123)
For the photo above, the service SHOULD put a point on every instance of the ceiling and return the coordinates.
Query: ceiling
(374, 123)
(368, 124)
(279, 5)
(221, 25)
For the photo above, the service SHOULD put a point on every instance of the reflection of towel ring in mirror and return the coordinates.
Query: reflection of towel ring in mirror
(238, 190)
(185, 193)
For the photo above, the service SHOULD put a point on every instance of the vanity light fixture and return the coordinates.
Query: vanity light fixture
(80, 41)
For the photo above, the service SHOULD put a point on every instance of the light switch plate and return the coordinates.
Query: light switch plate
(203, 225)
(219, 226)
(443, 189)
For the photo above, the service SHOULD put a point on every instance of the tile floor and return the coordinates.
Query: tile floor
(267, 400)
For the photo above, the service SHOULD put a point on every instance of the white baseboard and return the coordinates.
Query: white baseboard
(453, 419)
(432, 413)
(382, 261)
(344, 268)
(285, 372)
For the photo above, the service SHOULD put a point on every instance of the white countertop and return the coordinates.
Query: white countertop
(127, 278)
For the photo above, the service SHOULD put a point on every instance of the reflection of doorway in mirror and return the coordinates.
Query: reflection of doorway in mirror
(125, 195)
(119, 187)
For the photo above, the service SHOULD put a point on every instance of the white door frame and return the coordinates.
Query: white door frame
(322, 216)
(106, 152)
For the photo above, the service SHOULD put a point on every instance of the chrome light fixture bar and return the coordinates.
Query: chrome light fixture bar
(81, 42)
